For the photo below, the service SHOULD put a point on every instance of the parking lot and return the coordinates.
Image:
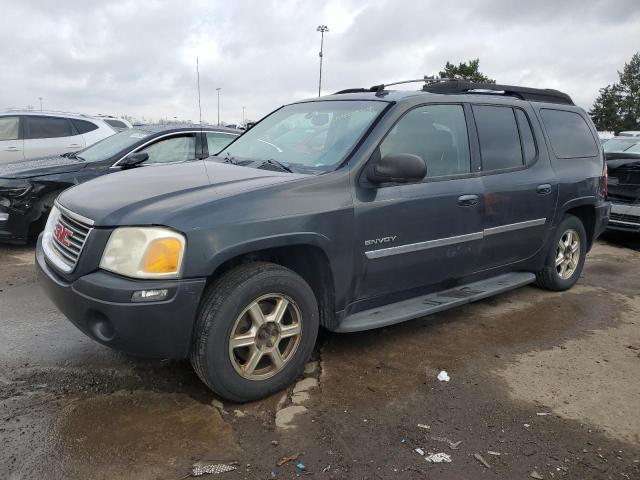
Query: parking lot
(543, 385)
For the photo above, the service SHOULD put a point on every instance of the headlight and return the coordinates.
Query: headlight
(144, 252)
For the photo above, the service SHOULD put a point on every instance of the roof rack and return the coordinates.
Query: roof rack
(453, 86)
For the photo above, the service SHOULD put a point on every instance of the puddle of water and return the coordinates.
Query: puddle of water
(142, 435)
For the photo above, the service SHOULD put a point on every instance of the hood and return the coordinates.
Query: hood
(156, 194)
(40, 166)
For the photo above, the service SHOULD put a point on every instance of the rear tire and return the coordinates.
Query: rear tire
(271, 315)
(565, 259)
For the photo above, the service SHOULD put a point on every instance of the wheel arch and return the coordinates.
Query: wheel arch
(585, 209)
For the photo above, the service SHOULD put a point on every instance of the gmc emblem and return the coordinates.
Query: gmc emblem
(62, 234)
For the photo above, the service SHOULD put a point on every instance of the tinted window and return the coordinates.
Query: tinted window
(569, 134)
(82, 126)
(526, 136)
(499, 138)
(115, 123)
(174, 149)
(9, 128)
(217, 141)
(437, 134)
(47, 127)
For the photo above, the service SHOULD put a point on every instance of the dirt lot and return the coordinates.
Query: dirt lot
(542, 385)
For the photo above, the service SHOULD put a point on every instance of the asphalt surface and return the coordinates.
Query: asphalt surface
(542, 385)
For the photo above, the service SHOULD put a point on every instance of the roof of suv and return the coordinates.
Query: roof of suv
(48, 113)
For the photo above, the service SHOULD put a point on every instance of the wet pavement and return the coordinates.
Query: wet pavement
(542, 383)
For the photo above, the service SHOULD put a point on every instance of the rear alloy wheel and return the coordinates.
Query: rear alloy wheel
(565, 259)
(255, 330)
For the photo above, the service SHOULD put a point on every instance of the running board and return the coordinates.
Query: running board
(433, 302)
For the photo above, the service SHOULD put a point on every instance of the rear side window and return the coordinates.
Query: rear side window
(526, 136)
(47, 127)
(569, 134)
(116, 123)
(82, 126)
(499, 137)
(9, 128)
(437, 134)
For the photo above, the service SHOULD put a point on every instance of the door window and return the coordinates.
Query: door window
(9, 128)
(82, 126)
(47, 127)
(437, 134)
(217, 141)
(569, 134)
(526, 137)
(499, 139)
(174, 149)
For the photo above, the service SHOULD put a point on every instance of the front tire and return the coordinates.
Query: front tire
(565, 260)
(255, 330)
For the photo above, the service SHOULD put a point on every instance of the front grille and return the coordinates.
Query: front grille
(70, 253)
(620, 217)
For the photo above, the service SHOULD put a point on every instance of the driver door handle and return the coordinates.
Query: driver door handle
(12, 149)
(543, 189)
(467, 200)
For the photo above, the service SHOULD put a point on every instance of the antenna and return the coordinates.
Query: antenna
(198, 73)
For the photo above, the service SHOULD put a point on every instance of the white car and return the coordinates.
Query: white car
(630, 133)
(25, 135)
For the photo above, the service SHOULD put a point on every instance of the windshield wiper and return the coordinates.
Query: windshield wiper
(277, 164)
(230, 159)
(69, 155)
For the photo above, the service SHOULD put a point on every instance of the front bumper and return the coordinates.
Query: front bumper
(99, 304)
(625, 217)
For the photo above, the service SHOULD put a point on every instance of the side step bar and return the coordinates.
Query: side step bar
(433, 302)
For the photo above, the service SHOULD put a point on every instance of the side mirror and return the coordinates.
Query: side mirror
(134, 160)
(397, 168)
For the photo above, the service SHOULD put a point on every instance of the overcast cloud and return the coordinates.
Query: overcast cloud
(138, 57)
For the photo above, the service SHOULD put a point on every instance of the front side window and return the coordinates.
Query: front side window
(569, 134)
(47, 127)
(9, 128)
(174, 149)
(217, 141)
(314, 137)
(499, 138)
(435, 133)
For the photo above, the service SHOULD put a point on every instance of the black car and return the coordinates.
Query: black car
(623, 161)
(353, 211)
(29, 188)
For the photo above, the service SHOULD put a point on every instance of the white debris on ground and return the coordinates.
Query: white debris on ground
(440, 457)
(199, 469)
(443, 376)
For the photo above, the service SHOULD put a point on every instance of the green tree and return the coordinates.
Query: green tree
(617, 108)
(465, 71)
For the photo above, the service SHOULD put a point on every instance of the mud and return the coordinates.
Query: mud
(72, 409)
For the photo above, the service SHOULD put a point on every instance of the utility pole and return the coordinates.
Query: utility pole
(321, 29)
(243, 115)
(218, 89)
(40, 98)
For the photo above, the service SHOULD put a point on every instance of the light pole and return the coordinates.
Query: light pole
(321, 29)
(40, 98)
(218, 89)
(243, 115)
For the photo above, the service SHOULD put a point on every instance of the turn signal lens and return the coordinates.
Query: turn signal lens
(163, 256)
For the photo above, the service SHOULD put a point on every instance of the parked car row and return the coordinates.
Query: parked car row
(29, 188)
(623, 161)
(352, 211)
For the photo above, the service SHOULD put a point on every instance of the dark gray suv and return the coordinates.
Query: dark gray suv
(353, 211)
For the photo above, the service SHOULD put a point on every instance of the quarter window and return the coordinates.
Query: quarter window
(437, 134)
(47, 127)
(175, 149)
(82, 126)
(499, 138)
(217, 141)
(115, 123)
(569, 134)
(9, 128)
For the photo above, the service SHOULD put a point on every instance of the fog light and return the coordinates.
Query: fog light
(150, 295)
(4, 217)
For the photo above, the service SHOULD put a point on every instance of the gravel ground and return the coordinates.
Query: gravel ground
(543, 385)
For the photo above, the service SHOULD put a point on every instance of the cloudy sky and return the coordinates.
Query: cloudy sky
(138, 57)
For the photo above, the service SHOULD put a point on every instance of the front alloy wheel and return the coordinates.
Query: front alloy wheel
(265, 336)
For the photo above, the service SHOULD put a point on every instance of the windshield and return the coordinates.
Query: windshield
(112, 145)
(312, 137)
(618, 145)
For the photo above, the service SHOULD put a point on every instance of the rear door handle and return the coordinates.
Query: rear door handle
(74, 145)
(12, 149)
(544, 189)
(467, 200)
